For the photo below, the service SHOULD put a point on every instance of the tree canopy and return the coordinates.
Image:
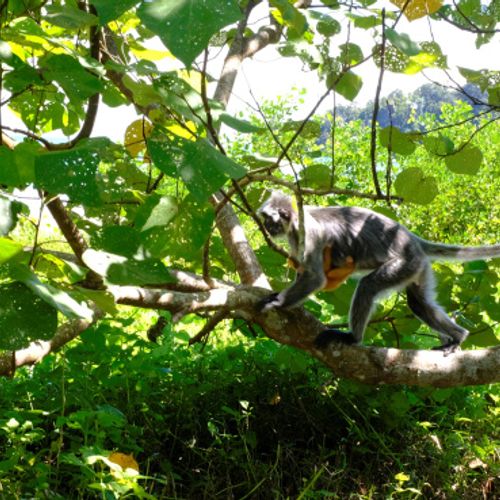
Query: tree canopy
(166, 219)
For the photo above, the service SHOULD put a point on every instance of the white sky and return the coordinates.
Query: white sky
(269, 75)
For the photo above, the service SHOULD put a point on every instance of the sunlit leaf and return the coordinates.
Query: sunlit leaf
(135, 136)
(466, 161)
(8, 249)
(285, 13)
(111, 10)
(440, 145)
(71, 172)
(413, 186)
(238, 124)
(403, 42)
(57, 298)
(202, 168)
(347, 86)
(69, 16)
(398, 141)
(123, 271)
(416, 9)
(185, 26)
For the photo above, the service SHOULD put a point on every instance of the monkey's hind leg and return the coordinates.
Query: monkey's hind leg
(388, 276)
(421, 301)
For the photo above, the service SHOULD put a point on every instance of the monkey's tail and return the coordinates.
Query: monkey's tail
(438, 251)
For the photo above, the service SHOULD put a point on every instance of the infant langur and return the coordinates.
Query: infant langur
(341, 240)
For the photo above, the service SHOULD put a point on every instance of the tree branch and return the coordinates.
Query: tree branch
(299, 328)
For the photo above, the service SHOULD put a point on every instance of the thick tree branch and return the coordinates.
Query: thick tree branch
(298, 328)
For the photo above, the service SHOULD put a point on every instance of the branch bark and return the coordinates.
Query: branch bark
(299, 328)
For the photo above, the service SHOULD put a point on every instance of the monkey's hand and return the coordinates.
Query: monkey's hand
(272, 301)
(331, 335)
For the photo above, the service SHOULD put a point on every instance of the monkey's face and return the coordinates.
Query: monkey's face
(275, 223)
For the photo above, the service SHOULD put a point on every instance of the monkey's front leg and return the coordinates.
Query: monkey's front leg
(306, 283)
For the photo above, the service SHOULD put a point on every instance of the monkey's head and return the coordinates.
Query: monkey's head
(278, 214)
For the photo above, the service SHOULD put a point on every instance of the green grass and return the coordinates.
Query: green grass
(244, 418)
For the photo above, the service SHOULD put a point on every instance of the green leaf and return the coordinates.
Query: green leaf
(202, 168)
(8, 249)
(398, 141)
(72, 172)
(403, 42)
(69, 17)
(9, 174)
(76, 81)
(186, 26)
(348, 86)
(440, 145)
(108, 11)
(317, 176)
(242, 126)
(326, 25)
(57, 298)
(122, 271)
(157, 211)
(484, 338)
(120, 240)
(466, 161)
(290, 16)
(365, 22)
(25, 317)
(413, 186)
(350, 54)
(190, 229)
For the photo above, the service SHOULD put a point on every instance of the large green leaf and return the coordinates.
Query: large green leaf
(317, 176)
(70, 172)
(122, 271)
(8, 171)
(202, 168)
(25, 317)
(288, 15)
(76, 81)
(8, 249)
(57, 298)
(238, 124)
(186, 26)
(413, 186)
(403, 42)
(438, 145)
(466, 161)
(112, 10)
(69, 17)
(347, 86)
(398, 141)
(157, 211)
(120, 240)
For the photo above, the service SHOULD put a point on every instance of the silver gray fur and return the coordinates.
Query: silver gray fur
(389, 254)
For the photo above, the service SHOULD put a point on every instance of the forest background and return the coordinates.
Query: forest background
(135, 362)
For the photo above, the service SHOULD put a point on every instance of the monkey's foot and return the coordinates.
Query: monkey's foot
(327, 336)
(448, 348)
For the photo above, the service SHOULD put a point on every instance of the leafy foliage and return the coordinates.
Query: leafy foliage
(117, 415)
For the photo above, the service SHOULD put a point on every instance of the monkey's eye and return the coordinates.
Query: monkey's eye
(284, 215)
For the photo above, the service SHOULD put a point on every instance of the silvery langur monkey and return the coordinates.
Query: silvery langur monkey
(341, 240)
